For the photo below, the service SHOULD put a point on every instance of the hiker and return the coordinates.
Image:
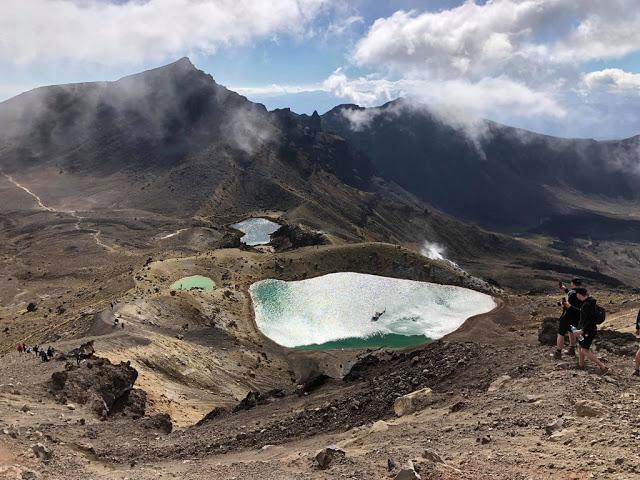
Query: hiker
(24, 347)
(35, 349)
(19, 348)
(43, 355)
(570, 318)
(50, 351)
(591, 315)
(115, 322)
(636, 372)
(76, 354)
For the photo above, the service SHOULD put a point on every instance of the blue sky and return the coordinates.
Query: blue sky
(556, 66)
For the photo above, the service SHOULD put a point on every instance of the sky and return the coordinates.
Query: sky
(568, 68)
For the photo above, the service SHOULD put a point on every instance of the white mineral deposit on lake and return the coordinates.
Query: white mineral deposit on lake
(338, 310)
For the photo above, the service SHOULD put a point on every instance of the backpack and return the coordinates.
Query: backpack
(600, 314)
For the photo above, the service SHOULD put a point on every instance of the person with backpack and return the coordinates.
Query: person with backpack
(591, 315)
(570, 318)
(636, 372)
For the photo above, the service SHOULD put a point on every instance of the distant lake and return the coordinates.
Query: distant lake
(257, 231)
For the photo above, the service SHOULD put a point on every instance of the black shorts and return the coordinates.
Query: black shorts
(565, 323)
(587, 340)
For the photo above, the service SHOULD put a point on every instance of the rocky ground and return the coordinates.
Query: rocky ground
(189, 389)
(504, 410)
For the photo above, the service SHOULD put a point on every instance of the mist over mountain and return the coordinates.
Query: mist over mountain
(497, 176)
(172, 140)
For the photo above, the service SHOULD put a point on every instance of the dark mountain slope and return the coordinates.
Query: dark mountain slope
(498, 176)
(172, 141)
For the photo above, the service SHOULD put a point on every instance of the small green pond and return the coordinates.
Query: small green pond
(194, 281)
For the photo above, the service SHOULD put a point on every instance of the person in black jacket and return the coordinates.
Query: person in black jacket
(570, 318)
(636, 372)
(588, 329)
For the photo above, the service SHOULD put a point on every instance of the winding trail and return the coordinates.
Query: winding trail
(22, 187)
(95, 234)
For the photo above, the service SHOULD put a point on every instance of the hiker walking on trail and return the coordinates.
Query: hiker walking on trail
(636, 372)
(50, 351)
(19, 348)
(591, 315)
(570, 318)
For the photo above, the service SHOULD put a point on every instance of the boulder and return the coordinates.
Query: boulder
(548, 331)
(161, 421)
(590, 408)
(432, 455)
(327, 455)
(554, 426)
(107, 387)
(215, 413)
(41, 452)
(499, 383)
(250, 401)
(412, 402)
(32, 307)
(407, 474)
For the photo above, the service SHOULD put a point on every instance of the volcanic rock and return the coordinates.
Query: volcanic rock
(41, 452)
(590, 408)
(106, 387)
(432, 455)
(288, 237)
(548, 331)
(412, 402)
(161, 421)
(327, 455)
(250, 401)
(554, 426)
(407, 474)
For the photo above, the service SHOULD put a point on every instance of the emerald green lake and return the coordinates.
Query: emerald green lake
(195, 281)
(390, 340)
(353, 310)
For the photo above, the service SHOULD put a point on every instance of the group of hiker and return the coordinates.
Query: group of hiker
(580, 318)
(44, 354)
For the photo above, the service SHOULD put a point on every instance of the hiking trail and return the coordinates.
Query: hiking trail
(95, 233)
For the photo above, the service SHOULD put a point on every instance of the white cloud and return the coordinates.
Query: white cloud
(485, 97)
(514, 37)
(613, 79)
(514, 61)
(277, 89)
(106, 33)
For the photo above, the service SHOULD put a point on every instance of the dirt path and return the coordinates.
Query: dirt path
(95, 233)
(25, 189)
